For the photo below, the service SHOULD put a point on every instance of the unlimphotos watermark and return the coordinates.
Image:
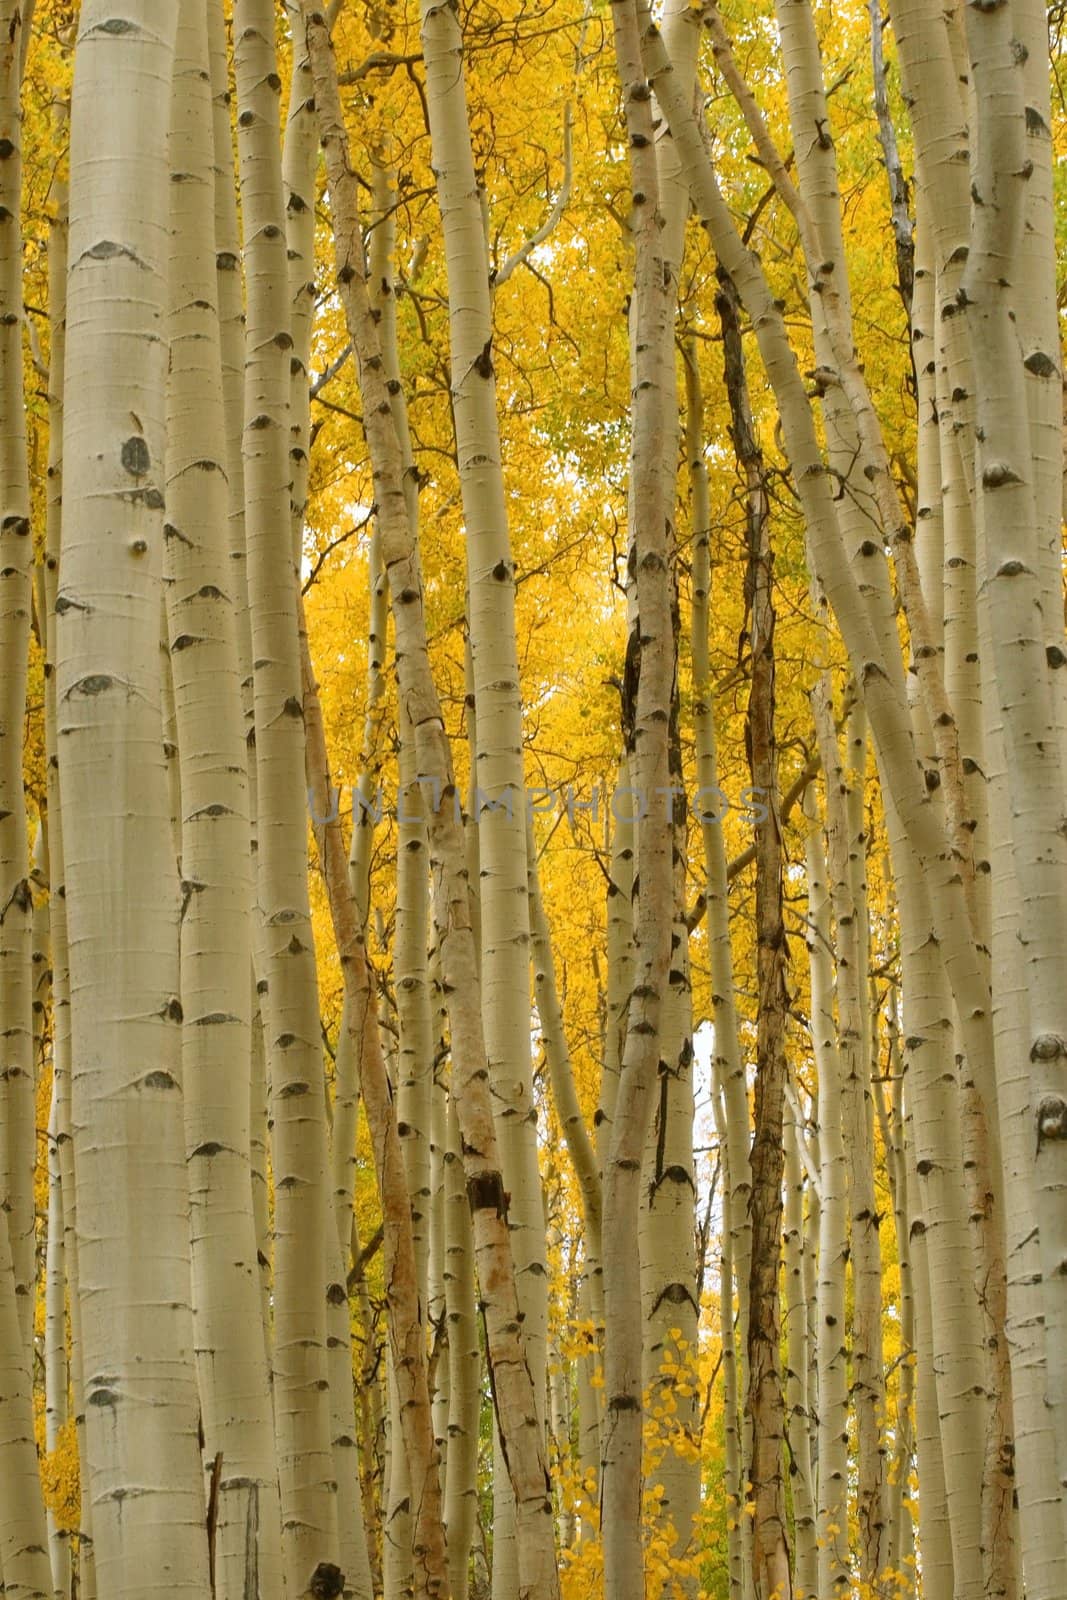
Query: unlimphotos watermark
(707, 805)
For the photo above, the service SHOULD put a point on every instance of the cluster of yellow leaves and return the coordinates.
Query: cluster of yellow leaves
(60, 1475)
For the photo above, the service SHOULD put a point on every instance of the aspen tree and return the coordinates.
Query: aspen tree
(24, 1563)
(142, 1461)
(216, 892)
(668, 1233)
(848, 896)
(61, 1025)
(728, 1072)
(833, 1559)
(900, 1541)
(935, 1534)
(949, 1309)
(464, 1364)
(795, 1322)
(294, 1058)
(646, 709)
(499, 784)
(299, 162)
(413, 1097)
(931, 69)
(764, 1403)
(17, 1140)
(25, 1535)
(1041, 1518)
(515, 1395)
(1008, 474)
(232, 353)
(619, 942)
(56, 1371)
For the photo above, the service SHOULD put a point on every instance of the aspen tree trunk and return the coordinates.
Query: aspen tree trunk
(668, 1236)
(215, 941)
(1008, 477)
(499, 784)
(1038, 1495)
(795, 1318)
(56, 1371)
(142, 1460)
(232, 351)
(413, 1100)
(294, 1059)
(764, 1402)
(620, 955)
(40, 943)
(900, 1546)
(464, 1364)
(950, 1304)
(346, 1080)
(17, 1111)
(414, 1013)
(728, 1071)
(299, 160)
(1041, 1513)
(832, 1409)
(739, 1572)
(24, 1563)
(61, 1025)
(647, 697)
(620, 976)
(935, 1528)
(230, 292)
(848, 896)
(1037, 317)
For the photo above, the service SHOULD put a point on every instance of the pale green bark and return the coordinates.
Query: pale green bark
(832, 1408)
(61, 1062)
(464, 1361)
(498, 769)
(795, 1322)
(646, 709)
(728, 1071)
(291, 1011)
(17, 1139)
(216, 949)
(141, 1461)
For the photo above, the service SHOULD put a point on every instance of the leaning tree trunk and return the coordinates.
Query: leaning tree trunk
(142, 1457)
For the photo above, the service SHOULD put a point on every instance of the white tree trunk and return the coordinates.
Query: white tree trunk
(216, 949)
(142, 1460)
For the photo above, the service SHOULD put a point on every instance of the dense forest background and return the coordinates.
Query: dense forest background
(533, 876)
